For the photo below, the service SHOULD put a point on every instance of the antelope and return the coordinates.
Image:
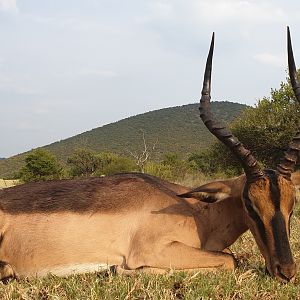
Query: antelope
(140, 223)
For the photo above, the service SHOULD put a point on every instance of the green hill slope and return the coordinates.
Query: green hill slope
(176, 129)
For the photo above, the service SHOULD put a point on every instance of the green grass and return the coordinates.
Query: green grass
(248, 281)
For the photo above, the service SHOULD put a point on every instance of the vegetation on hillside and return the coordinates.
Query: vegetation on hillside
(42, 165)
(176, 129)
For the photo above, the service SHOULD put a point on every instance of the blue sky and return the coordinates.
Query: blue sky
(67, 66)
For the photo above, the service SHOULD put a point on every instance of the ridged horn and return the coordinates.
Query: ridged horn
(288, 162)
(248, 162)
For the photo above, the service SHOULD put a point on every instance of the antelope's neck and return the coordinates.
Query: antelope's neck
(226, 224)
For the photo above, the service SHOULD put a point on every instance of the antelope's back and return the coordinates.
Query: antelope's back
(112, 194)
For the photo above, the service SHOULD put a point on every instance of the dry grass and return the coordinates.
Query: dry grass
(8, 183)
(297, 195)
(194, 180)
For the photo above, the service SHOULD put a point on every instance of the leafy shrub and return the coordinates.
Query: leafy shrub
(40, 165)
(172, 167)
(112, 163)
(83, 162)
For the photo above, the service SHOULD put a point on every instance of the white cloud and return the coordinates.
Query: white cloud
(40, 110)
(222, 10)
(79, 23)
(270, 59)
(218, 11)
(163, 9)
(8, 5)
(98, 73)
(10, 84)
(25, 125)
(5, 81)
(75, 22)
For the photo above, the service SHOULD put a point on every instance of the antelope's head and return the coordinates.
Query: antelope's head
(268, 195)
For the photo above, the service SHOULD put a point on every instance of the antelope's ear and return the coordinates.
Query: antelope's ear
(210, 192)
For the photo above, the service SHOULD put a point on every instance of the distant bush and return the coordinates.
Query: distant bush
(172, 167)
(215, 160)
(40, 165)
(112, 163)
(159, 170)
(83, 162)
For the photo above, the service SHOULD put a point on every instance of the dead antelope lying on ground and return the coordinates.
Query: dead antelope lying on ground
(139, 222)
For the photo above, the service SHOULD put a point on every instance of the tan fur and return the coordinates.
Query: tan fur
(288, 192)
(132, 221)
(259, 193)
(296, 178)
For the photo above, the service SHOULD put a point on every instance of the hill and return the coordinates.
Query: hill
(176, 129)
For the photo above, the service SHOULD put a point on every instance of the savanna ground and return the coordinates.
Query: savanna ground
(248, 281)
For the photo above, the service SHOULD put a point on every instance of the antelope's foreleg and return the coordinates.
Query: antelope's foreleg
(179, 256)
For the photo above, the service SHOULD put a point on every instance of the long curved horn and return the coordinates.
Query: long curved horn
(287, 164)
(248, 162)
(292, 67)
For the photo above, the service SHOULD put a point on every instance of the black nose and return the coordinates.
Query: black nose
(286, 271)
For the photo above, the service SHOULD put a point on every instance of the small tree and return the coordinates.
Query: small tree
(40, 165)
(141, 157)
(83, 162)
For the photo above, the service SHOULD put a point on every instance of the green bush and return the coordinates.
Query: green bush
(215, 160)
(112, 163)
(172, 167)
(83, 162)
(159, 170)
(40, 165)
